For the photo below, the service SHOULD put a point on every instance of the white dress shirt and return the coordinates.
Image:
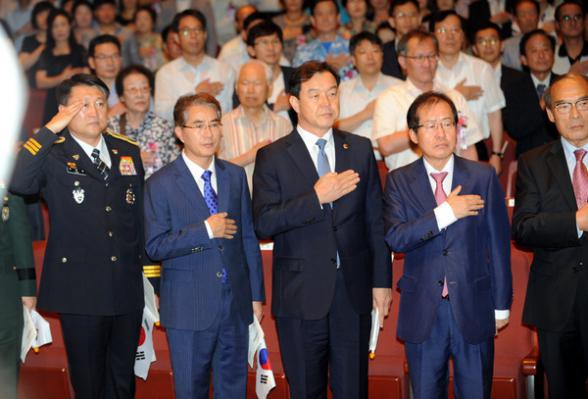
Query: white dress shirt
(104, 154)
(197, 171)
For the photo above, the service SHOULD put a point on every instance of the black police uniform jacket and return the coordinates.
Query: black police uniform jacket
(95, 248)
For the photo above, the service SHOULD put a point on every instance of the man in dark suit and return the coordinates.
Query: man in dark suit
(522, 117)
(17, 287)
(198, 222)
(92, 180)
(316, 193)
(448, 216)
(551, 217)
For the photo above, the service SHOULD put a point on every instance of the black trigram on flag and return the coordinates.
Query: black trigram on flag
(263, 379)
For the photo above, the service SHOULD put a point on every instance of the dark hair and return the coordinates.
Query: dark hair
(441, 16)
(165, 33)
(254, 16)
(397, 3)
(485, 25)
(102, 39)
(537, 32)
(317, 2)
(236, 16)
(130, 70)
(384, 25)
(428, 98)
(188, 13)
(265, 28)
(53, 14)
(534, 2)
(185, 102)
(63, 91)
(305, 72)
(402, 47)
(39, 8)
(565, 3)
(149, 10)
(547, 94)
(81, 3)
(369, 9)
(364, 36)
(99, 3)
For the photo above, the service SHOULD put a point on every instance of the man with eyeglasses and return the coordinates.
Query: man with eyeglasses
(104, 58)
(193, 72)
(572, 54)
(474, 79)
(448, 216)
(522, 116)
(551, 217)
(418, 57)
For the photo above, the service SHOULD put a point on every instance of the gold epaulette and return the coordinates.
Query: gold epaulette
(152, 271)
(121, 137)
(32, 146)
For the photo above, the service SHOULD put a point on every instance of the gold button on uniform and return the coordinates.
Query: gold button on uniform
(113, 258)
(108, 209)
(64, 260)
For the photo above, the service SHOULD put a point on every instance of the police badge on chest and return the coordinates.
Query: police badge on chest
(78, 193)
(130, 195)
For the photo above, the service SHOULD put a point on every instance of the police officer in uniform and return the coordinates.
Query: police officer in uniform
(92, 181)
(17, 287)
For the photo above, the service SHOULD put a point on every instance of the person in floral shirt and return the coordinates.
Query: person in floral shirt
(155, 135)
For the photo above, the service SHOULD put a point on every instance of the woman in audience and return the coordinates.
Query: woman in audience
(62, 58)
(144, 47)
(83, 17)
(126, 12)
(295, 22)
(155, 135)
(67, 6)
(33, 45)
(359, 18)
(381, 10)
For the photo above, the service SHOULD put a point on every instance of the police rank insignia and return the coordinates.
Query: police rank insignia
(126, 166)
(78, 195)
(130, 196)
(5, 210)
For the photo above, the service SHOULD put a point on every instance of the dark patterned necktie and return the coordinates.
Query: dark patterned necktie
(100, 165)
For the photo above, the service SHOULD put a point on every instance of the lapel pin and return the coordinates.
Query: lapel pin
(115, 151)
(76, 157)
(345, 146)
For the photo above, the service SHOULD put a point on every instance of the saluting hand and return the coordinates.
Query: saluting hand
(64, 116)
(464, 205)
(222, 226)
(332, 186)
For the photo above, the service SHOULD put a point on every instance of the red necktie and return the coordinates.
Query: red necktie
(580, 179)
(440, 198)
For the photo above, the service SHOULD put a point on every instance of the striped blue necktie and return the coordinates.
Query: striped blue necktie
(212, 203)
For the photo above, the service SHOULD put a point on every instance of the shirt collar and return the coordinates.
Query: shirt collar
(537, 82)
(447, 168)
(310, 139)
(196, 169)
(88, 148)
(563, 51)
(184, 65)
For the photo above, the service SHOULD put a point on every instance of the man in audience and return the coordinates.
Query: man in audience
(551, 217)
(418, 57)
(105, 60)
(317, 194)
(251, 125)
(357, 96)
(404, 17)
(171, 47)
(265, 43)
(526, 13)
(105, 13)
(199, 223)
(235, 50)
(572, 54)
(522, 116)
(537, 49)
(448, 216)
(474, 79)
(329, 46)
(92, 181)
(194, 71)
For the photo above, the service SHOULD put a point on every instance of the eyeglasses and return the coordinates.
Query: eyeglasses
(443, 31)
(188, 31)
(104, 57)
(487, 42)
(402, 15)
(565, 107)
(267, 43)
(200, 126)
(137, 90)
(431, 126)
(571, 18)
(421, 57)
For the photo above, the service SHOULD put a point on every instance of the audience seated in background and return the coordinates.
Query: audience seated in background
(105, 13)
(572, 54)
(526, 15)
(83, 22)
(358, 18)
(104, 58)
(404, 17)
(144, 46)
(34, 44)
(294, 23)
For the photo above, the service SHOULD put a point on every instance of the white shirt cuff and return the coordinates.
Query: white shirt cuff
(501, 314)
(444, 216)
(580, 232)
(208, 229)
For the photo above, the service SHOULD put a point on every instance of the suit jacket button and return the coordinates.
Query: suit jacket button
(445, 252)
(221, 248)
(108, 209)
(219, 274)
(113, 258)
(109, 233)
(64, 260)
(440, 282)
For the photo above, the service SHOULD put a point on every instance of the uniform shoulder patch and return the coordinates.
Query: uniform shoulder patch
(60, 140)
(112, 133)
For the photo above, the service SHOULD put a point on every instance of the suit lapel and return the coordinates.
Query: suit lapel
(223, 184)
(301, 157)
(342, 152)
(460, 176)
(421, 187)
(188, 186)
(556, 161)
(115, 154)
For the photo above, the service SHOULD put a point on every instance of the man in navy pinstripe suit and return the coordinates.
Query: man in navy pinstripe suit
(198, 222)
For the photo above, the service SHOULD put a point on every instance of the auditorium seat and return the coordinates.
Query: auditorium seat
(383, 172)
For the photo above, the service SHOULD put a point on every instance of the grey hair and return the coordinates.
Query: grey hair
(266, 69)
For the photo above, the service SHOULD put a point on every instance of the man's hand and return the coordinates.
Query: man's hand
(469, 92)
(282, 103)
(464, 205)
(338, 61)
(496, 162)
(580, 67)
(332, 186)
(222, 226)
(212, 88)
(64, 116)
(582, 218)
(368, 111)
(382, 299)
(258, 310)
(501, 323)
(30, 302)
(148, 158)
